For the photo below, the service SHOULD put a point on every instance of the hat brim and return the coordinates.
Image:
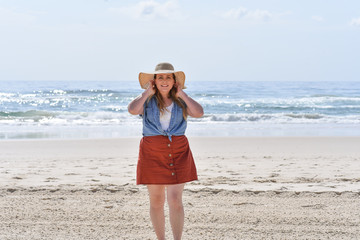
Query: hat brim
(144, 78)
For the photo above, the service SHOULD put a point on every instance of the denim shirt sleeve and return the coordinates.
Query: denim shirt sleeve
(151, 121)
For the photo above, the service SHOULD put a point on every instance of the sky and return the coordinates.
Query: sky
(114, 40)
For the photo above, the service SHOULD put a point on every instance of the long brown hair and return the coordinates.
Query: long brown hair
(172, 95)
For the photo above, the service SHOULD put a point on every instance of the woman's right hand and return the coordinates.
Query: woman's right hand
(136, 106)
(151, 88)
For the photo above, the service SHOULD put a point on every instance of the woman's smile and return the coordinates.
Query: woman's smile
(164, 82)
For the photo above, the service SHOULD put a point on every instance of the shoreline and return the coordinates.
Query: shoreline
(195, 129)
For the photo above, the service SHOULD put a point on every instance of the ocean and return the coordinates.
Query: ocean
(81, 109)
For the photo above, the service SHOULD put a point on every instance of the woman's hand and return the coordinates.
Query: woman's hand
(136, 106)
(179, 92)
(151, 88)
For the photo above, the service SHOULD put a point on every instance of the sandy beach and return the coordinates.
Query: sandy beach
(248, 188)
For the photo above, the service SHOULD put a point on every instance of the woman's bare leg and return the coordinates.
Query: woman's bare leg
(157, 200)
(176, 209)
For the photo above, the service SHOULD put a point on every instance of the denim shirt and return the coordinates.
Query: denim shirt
(151, 120)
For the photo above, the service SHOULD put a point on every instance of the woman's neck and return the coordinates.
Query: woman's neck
(168, 101)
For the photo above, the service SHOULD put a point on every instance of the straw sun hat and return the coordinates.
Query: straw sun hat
(144, 78)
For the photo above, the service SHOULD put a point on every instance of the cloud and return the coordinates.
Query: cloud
(236, 13)
(244, 13)
(151, 9)
(355, 22)
(317, 18)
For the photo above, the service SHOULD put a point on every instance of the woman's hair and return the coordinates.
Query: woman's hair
(172, 95)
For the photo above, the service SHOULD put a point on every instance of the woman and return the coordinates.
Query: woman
(165, 160)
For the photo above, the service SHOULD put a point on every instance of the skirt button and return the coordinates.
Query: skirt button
(173, 174)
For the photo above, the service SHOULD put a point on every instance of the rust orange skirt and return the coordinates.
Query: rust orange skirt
(164, 162)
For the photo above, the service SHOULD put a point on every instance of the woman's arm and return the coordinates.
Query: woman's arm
(194, 109)
(136, 106)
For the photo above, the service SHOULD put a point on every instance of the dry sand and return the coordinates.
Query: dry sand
(249, 188)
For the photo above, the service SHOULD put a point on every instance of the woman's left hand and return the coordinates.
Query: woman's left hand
(179, 91)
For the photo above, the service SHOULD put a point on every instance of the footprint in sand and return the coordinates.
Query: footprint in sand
(314, 206)
(51, 179)
(17, 178)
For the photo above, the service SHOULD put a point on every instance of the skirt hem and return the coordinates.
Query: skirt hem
(167, 183)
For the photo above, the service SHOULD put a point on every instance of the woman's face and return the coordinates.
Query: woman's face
(164, 82)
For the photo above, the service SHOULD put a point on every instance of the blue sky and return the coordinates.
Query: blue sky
(264, 40)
